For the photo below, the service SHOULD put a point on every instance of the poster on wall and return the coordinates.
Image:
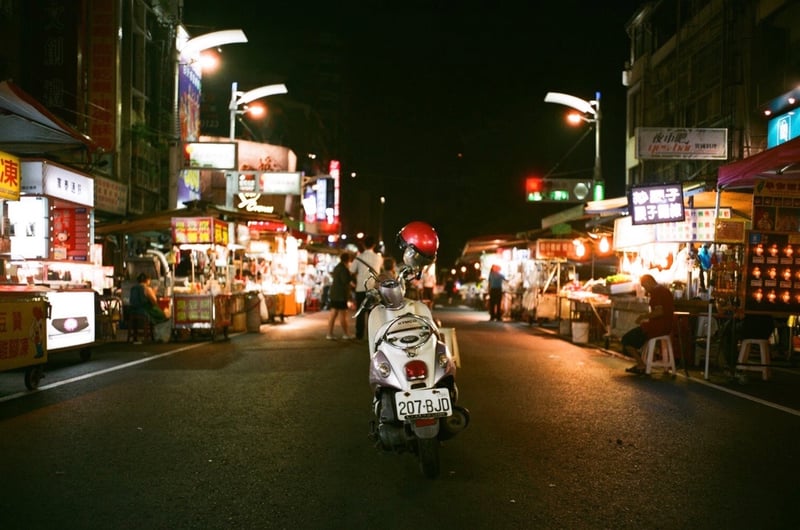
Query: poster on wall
(776, 205)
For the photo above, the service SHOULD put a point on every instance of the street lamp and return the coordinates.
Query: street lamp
(590, 113)
(187, 84)
(243, 98)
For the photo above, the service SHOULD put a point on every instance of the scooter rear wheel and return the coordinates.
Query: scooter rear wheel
(428, 453)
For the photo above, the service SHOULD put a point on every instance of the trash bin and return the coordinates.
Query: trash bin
(580, 332)
(252, 306)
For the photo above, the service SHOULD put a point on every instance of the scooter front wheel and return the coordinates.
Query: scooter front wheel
(428, 453)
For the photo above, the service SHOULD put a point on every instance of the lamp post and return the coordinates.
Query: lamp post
(243, 98)
(590, 113)
(187, 55)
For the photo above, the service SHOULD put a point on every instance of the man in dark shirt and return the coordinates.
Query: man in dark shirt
(656, 322)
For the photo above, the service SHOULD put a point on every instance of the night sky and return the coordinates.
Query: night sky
(444, 111)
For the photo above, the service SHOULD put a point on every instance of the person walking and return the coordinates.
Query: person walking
(495, 282)
(360, 267)
(339, 294)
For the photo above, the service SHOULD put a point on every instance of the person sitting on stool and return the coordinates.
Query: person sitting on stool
(657, 322)
(144, 302)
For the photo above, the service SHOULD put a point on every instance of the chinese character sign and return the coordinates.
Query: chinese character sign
(9, 177)
(653, 204)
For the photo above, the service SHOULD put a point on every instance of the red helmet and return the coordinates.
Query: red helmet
(421, 237)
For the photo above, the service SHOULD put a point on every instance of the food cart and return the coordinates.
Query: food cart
(203, 307)
(203, 312)
(23, 342)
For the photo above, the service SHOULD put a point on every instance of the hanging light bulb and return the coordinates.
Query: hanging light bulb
(605, 245)
(580, 248)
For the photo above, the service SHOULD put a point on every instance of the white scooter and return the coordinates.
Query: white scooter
(412, 371)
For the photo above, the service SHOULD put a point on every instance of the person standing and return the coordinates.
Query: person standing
(360, 267)
(656, 322)
(704, 259)
(339, 294)
(495, 282)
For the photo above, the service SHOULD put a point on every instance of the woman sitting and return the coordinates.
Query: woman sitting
(144, 302)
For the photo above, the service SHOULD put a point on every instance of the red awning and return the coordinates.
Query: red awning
(779, 162)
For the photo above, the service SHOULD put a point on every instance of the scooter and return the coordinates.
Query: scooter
(412, 371)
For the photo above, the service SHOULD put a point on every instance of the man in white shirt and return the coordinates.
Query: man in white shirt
(360, 267)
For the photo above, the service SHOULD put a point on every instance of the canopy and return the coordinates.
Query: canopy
(27, 127)
(779, 162)
(163, 220)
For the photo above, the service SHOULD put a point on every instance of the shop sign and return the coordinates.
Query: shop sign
(681, 144)
(210, 155)
(656, 203)
(251, 203)
(556, 249)
(199, 231)
(699, 225)
(45, 178)
(110, 196)
(9, 177)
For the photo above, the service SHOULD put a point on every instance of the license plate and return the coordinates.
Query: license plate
(427, 403)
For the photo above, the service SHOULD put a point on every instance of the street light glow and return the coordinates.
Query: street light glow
(243, 98)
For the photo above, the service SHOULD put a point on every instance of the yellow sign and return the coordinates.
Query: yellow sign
(9, 177)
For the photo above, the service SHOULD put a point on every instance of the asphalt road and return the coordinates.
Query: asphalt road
(269, 430)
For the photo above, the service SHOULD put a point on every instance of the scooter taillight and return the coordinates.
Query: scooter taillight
(416, 370)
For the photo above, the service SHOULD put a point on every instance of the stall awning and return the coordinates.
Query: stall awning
(27, 127)
(475, 247)
(162, 221)
(782, 161)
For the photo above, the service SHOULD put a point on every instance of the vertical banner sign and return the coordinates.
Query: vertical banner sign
(9, 177)
(102, 65)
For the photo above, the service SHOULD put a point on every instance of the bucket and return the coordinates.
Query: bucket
(580, 332)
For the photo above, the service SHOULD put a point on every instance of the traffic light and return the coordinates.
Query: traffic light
(538, 189)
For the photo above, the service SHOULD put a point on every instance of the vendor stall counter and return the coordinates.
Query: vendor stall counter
(204, 312)
(23, 342)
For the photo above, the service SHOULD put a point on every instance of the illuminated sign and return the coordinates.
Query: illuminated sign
(210, 155)
(681, 144)
(656, 203)
(9, 177)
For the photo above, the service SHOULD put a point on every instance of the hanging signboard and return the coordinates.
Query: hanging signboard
(199, 230)
(656, 203)
(556, 249)
(9, 177)
(681, 143)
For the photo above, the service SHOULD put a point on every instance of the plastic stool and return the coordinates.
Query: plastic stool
(137, 322)
(667, 358)
(744, 357)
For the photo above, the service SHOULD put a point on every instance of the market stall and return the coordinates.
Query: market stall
(24, 343)
(206, 303)
(50, 251)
